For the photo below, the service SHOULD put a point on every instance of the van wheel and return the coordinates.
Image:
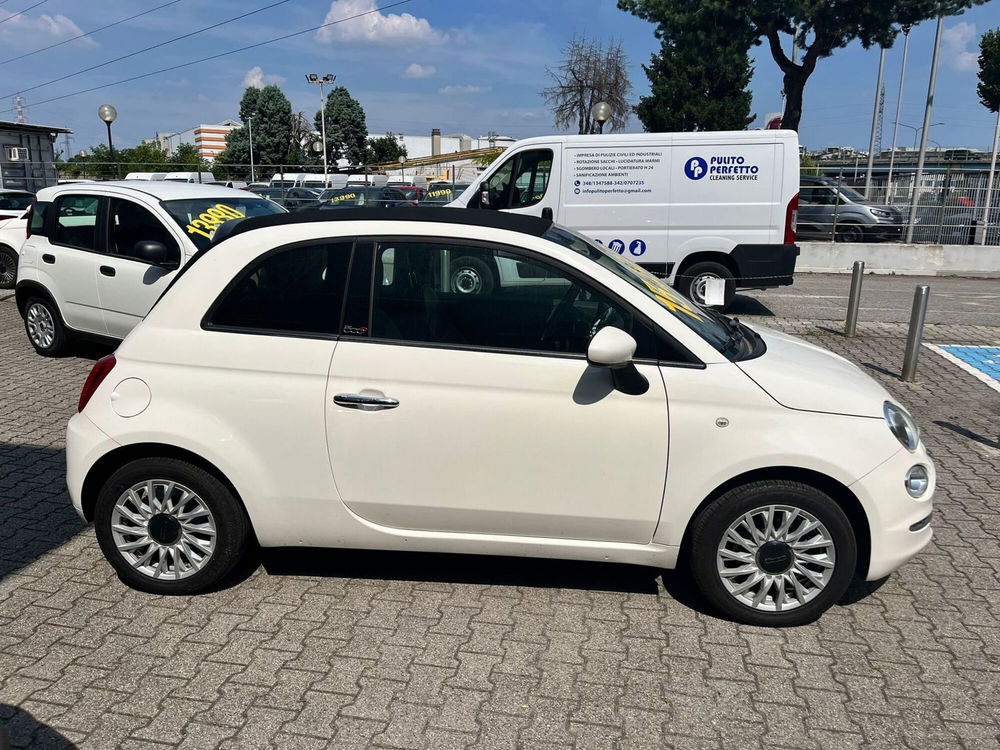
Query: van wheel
(850, 232)
(692, 282)
(44, 327)
(773, 553)
(8, 267)
(471, 276)
(169, 527)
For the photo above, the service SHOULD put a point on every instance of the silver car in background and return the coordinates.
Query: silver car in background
(829, 210)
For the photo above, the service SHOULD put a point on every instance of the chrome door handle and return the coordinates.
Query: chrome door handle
(367, 403)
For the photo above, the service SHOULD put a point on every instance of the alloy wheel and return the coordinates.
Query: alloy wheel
(41, 326)
(776, 558)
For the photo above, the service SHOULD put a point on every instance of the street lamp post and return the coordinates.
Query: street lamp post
(253, 177)
(109, 114)
(601, 112)
(321, 82)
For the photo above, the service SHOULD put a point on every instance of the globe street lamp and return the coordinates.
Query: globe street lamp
(109, 114)
(601, 112)
(321, 82)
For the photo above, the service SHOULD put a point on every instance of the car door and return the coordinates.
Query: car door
(817, 207)
(72, 258)
(451, 412)
(127, 285)
(521, 184)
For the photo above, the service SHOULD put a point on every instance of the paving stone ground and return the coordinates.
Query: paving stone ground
(355, 650)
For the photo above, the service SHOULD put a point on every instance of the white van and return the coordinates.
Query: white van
(204, 178)
(315, 181)
(146, 176)
(372, 180)
(690, 207)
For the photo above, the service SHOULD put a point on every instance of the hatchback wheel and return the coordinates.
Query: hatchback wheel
(773, 553)
(44, 327)
(169, 527)
(8, 267)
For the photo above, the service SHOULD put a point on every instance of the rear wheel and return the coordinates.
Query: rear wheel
(471, 276)
(773, 553)
(44, 327)
(169, 527)
(8, 267)
(694, 279)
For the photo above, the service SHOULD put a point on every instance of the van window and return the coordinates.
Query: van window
(76, 221)
(522, 180)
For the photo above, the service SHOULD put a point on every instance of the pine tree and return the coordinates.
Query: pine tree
(346, 131)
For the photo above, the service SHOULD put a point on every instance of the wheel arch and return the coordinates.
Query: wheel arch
(111, 461)
(25, 290)
(714, 256)
(841, 494)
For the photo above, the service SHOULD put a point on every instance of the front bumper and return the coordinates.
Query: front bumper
(892, 513)
(85, 444)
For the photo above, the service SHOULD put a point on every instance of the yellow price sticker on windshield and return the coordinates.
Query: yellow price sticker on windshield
(212, 218)
(436, 193)
(347, 197)
(661, 291)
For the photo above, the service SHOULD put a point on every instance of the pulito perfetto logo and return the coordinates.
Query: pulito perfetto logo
(696, 168)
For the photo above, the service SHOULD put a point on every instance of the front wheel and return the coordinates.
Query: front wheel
(471, 276)
(169, 527)
(694, 279)
(773, 553)
(850, 232)
(44, 327)
(8, 267)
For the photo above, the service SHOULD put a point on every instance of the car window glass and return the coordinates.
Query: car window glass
(478, 297)
(76, 221)
(499, 184)
(531, 178)
(131, 224)
(295, 290)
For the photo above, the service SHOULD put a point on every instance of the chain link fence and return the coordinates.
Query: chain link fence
(950, 207)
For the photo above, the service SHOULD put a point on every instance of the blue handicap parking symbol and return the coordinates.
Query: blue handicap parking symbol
(637, 247)
(984, 359)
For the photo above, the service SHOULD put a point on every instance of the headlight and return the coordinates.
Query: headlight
(902, 426)
(881, 213)
(917, 480)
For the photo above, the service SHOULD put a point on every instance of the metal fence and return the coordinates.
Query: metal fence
(950, 208)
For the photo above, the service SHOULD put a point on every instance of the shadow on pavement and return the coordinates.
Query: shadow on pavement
(967, 433)
(743, 305)
(19, 729)
(36, 512)
(450, 568)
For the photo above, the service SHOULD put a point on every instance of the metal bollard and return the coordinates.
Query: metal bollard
(916, 334)
(854, 301)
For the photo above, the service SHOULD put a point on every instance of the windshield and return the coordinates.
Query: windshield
(442, 193)
(709, 325)
(200, 217)
(350, 196)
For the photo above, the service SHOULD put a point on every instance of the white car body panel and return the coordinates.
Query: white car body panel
(489, 452)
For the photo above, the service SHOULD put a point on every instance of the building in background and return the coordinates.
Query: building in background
(210, 139)
(27, 155)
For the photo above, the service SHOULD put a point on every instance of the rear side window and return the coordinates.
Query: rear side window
(76, 221)
(38, 219)
(297, 290)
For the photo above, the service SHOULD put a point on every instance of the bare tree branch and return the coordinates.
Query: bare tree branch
(589, 73)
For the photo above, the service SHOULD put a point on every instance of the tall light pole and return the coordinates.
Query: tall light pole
(931, 89)
(899, 103)
(250, 117)
(321, 82)
(875, 113)
(989, 180)
(601, 112)
(109, 114)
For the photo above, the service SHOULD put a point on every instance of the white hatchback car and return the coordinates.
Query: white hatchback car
(12, 232)
(295, 389)
(98, 254)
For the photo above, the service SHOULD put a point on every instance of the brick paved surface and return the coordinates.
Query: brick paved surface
(342, 649)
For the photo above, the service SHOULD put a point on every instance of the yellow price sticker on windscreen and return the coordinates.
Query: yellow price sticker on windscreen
(662, 291)
(436, 193)
(346, 197)
(212, 218)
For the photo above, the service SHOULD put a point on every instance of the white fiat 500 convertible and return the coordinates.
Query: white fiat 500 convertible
(340, 381)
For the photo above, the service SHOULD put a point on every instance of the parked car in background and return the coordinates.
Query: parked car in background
(97, 255)
(12, 232)
(358, 197)
(13, 203)
(442, 193)
(238, 184)
(287, 392)
(412, 192)
(289, 197)
(829, 210)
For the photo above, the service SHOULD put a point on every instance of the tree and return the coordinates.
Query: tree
(590, 73)
(989, 70)
(346, 130)
(302, 133)
(384, 149)
(818, 28)
(146, 157)
(699, 80)
(272, 132)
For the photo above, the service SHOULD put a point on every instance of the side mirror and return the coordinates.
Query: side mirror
(153, 252)
(484, 197)
(613, 348)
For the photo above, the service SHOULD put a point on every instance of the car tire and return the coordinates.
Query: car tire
(782, 574)
(471, 276)
(170, 542)
(44, 327)
(691, 283)
(849, 231)
(8, 267)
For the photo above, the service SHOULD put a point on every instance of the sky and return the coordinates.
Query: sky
(465, 67)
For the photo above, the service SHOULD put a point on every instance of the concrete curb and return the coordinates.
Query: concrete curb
(977, 261)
